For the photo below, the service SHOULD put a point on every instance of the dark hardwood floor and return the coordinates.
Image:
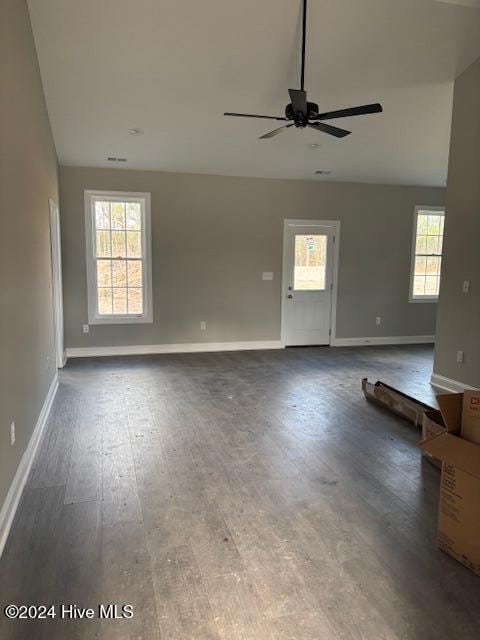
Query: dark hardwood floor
(237, 496)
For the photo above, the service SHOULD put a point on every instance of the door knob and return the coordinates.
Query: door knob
(289, 295)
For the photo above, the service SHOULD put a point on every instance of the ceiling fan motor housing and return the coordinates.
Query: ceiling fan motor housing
(301, 119)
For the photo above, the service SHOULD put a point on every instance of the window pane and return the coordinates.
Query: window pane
(119, 273)
(135, 301)
(421, 244)
(310, 262)
(419, 285)
(102, 215)
(104, 301)
(420, 266)
(120, 301)
(433, 266)
(118, 244)
(104, 273)
(434, 225)
(103, 247)
(134, 217)
(431, 285)
(134, 272)
(422, 224)
(118, 228)
(118, 215)
(134, 244)
(429, 241)
(432, 244)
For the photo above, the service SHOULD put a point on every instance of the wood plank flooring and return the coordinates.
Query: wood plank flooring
(236, 496)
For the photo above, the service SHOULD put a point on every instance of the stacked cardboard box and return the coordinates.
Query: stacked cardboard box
(455, 441)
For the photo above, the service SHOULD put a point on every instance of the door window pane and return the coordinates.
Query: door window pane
(310, 262)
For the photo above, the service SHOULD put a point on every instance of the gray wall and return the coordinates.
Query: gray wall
(459, 313)
(28, 178)
(212, 238)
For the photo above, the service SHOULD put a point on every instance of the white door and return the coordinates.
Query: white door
(56, 254)
(308, 274)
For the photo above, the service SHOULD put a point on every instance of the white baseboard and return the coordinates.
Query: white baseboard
(9, 508)
(192, 347)
(379, 340)
(447, 384)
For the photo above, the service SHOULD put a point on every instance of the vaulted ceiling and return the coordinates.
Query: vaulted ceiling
(172, 67)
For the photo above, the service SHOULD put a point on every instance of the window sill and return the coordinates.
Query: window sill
(120, 320)
(420, 300)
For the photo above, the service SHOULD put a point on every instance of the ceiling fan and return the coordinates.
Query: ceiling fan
(305, 114)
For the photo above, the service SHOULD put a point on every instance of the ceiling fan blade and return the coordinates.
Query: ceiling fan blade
(299, 100)
(251, 115)
(353, 111)
(326, 128)
(275, 132)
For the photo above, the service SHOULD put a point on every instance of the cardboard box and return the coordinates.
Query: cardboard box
(395, 400)
(471, 416)
(432, 425)
(459, 510)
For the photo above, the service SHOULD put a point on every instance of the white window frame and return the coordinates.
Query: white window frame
(418, 209)
(119, 196)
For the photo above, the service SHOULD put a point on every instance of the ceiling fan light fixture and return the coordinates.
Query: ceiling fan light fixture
(301, 113)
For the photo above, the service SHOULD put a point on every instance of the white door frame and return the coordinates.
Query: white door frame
(335, 225)
(57, 293)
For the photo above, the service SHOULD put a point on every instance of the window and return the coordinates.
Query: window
(310, 263)
(119, 271)
(427, 254)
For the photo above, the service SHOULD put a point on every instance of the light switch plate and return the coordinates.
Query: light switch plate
(267, 275)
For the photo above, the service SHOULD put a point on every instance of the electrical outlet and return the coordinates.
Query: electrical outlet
(85, 328)
(466, 286)
(12, 433)
(460, 357)
(378, 320)
(203, 325)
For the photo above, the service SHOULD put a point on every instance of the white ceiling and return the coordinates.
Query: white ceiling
(172, 67)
